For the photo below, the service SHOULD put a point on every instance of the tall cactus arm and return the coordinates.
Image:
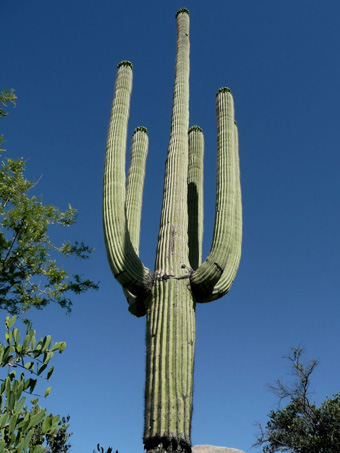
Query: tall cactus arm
(133, 203)
(215, 276)
(135, 184)
(195, 195)
(229, 274)
(124, 262)
(172, 249)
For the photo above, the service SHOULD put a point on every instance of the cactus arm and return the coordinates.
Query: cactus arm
(124, 262)
(133, 203)
(135, 184)
(195, 195)
(172, 248)
(215, 276)
(229, 274)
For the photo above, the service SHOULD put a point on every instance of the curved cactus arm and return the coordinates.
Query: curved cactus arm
(229, 274)
(135, 184)
(195, 195)
(124, 262)
(215, 276)
(172, 256)
(133, 202)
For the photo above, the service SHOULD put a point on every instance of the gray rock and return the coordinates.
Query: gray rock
(214, 449)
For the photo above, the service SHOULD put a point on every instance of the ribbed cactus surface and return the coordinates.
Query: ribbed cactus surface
(168, 295)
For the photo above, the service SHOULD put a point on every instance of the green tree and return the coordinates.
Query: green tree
(29, 273)
(25, 362)
(301, 426)
(55, 442)
(30, 277)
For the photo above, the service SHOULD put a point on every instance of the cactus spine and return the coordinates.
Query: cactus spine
(168, 296)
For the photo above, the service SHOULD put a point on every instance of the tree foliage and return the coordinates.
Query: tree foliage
(26, 361)
(30, 277)
(301, 426)
(101, 449)
(6, 97)
(29, 273)
(55, 442)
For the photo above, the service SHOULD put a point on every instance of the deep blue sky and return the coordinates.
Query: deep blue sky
(281, 60)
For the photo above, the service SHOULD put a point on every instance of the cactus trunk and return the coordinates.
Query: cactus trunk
(170, 334)
(170, 339)
(168, 296)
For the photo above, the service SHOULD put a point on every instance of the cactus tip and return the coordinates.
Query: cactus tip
(140, 129)
(182, 10)
(223, 90)
(125, 63)
(195, 128)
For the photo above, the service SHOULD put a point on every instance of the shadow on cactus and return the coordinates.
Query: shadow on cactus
(168, 295)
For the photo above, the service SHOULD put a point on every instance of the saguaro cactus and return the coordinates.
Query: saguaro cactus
(168, 296)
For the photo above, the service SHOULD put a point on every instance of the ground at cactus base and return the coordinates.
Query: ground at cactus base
(214, 449)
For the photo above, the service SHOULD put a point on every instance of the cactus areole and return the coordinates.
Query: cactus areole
(168, 296)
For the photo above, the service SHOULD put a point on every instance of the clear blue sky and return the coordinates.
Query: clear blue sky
(281, 60)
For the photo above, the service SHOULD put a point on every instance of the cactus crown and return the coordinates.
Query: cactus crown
(125, 63)
(140, 129)
(194, 128)
(223, 90)
(182, 10)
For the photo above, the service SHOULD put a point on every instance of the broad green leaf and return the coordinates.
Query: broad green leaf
(24, 423)
(12, 423)
(9, 321)
(47, 391)
(26, 343)
(33, 340)
(29, 365)
(46, 343)
(62, 346)
(3, 387)
(39, 449)
(33, 384)
(41, 369)
(50, 372)
(48, 356)
(56, 346)
(47, 425)
(10, 400)
(38, 348)
(8, 337)
(30, 384)
(6, 355)
(20, 404)
(55, 419)
(37, 418)
(4, 419)
(16, 336)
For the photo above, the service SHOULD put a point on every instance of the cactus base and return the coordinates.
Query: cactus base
(166, 445)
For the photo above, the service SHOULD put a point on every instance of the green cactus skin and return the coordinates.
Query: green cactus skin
(168, 296)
